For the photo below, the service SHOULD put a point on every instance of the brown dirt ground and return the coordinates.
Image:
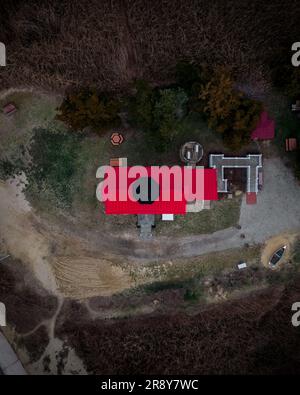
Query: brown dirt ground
(59, 261)
(83, 277)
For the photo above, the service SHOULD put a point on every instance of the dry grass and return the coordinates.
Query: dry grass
(61, 44)
(33, 110)
(197, 267)
(251, 336)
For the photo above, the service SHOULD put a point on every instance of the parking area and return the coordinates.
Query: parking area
(278, 205)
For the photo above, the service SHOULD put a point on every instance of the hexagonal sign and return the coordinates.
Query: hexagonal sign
(116, 138)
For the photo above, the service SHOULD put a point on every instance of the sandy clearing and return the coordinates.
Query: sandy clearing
(83, 277)
(74, 274)
(20, 236)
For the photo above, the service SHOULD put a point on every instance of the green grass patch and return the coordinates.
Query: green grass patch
(63, 169)
(52, 168)
(33, 110)
(193, 295)
(192, 288)
(140, 150)
(222, 214)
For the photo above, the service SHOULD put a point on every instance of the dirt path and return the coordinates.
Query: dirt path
(26, 238)
(19, 235)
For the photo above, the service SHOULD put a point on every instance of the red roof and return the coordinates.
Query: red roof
(265, 129)
(9, 108)
(251, 198)
(171, 206)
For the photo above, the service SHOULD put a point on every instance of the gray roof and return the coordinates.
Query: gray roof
(253, 164)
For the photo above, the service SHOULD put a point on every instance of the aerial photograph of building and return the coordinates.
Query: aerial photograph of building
(149, 190)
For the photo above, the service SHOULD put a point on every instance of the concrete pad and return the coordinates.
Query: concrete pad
(9, 362)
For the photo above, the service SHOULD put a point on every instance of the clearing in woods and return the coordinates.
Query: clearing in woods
(75, 258)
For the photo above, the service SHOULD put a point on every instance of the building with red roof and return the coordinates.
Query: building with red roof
(128, 204)
(265, 129)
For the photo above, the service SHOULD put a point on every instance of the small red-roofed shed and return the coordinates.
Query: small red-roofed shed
(9, 109)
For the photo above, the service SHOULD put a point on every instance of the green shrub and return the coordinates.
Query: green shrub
(169, 109)
(158, 112)
(141, 106)
(162, 286)
(191, 295)
(89, 109)
(8, 169)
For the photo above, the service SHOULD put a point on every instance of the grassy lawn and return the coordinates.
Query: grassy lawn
(94, 151)
(140, 151)
(223, 214)
(33, 110)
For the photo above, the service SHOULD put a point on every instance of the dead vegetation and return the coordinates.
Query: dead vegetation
(26, 301)
(35, 343)
(61, 44)
(253, 335)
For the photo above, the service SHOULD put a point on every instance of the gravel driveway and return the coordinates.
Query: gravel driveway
(278, 204)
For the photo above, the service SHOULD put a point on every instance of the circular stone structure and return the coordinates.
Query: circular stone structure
(191, 152)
